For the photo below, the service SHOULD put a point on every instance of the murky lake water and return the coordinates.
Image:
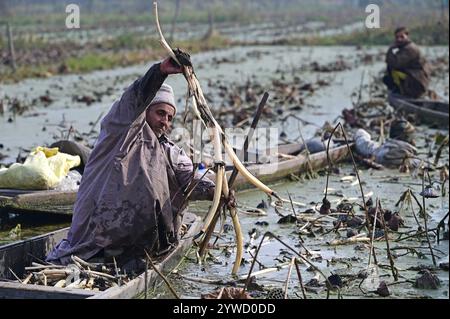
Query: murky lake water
(43, 125)
(346, 261)
(325, 104)
(262, 32)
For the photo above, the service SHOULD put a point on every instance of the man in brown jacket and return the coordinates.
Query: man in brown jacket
(408, 72)
(131, 194)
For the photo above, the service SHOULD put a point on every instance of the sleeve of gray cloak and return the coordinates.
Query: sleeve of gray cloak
(134, 101)
(184, 169)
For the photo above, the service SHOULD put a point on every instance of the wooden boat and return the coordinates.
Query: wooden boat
(288, 162)
(427, 111)
(18, 255)
(278, 170)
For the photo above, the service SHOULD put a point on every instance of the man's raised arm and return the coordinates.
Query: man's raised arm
(138, 95)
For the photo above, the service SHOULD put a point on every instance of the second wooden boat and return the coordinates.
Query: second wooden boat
(429, 112)
(56, 202)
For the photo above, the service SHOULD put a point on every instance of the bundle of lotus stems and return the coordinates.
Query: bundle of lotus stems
(202, 111)
(79, 274)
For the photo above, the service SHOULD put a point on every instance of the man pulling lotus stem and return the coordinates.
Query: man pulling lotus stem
(131, 195)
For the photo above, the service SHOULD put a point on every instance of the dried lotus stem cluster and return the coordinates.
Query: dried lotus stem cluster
(203, 112)
(79, 274)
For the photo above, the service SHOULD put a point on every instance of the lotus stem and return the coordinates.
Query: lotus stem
(202, 111)
(248, 176)
(162, 40)
(220, 174)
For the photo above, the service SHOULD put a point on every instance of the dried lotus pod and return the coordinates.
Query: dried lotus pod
(325, 209)
(227, 293)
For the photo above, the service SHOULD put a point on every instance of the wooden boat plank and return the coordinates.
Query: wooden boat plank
(20, 291)
(14, 192)
(39, 201)
(273, 172)
(408, 106)
(18, 255)
(429, 104)
(289, 148)
(428, 112)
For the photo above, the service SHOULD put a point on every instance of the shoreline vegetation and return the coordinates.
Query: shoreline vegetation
(38, 56)
(433, 34)
(100, 57)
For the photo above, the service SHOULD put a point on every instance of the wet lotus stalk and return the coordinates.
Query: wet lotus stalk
(220, 177)
(222, 187)
(439, 151)
(372, 239)
(406, 198)
(310, 173)
(14, 274)
(295, 251)
(206, 118)
(202, 110)
(196, 111)
(388, 249)
(367, 223)
(440, 225)
(236, 225)
(366, 211)
(237, 229)
(416, 235)
(425, 217)
(300, 280)
(162, 40)
(205, 113)
(232, 179)
(172, 290)
(241, 168)
(239, 240)
(301, 241)
(286, 284)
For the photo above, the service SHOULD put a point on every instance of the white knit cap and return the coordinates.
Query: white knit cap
(164, 95)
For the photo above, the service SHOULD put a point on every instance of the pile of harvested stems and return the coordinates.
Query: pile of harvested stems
(80, 275)
(202, 111)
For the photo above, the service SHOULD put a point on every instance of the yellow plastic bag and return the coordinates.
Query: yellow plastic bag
(44, 168)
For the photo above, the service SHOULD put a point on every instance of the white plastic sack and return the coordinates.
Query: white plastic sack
(44, 168)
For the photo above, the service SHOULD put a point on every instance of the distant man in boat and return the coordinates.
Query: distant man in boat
(131, 195)
(408, 73)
